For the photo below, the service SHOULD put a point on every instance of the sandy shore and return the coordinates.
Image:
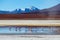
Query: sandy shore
(30, 22)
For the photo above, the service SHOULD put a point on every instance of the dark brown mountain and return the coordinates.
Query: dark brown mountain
(55, 8)
(53, 12)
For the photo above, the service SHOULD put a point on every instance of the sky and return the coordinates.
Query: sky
(10, 5)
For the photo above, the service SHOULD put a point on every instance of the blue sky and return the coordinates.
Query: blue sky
(16, 4)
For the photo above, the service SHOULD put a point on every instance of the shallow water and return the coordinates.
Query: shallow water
(28, 30)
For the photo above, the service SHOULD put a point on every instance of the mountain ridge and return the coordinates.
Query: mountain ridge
(33, 9)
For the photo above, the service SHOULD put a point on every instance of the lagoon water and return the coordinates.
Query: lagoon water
(27, 30)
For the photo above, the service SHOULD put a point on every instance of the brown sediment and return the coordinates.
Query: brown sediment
(28, 16)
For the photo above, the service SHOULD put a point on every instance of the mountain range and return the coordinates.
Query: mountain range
(55, 10)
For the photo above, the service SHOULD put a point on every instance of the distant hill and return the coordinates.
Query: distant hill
(52, 9)
(55, 8)
(52, 12)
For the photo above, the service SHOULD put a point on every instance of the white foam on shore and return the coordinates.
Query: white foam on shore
(29, 37)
